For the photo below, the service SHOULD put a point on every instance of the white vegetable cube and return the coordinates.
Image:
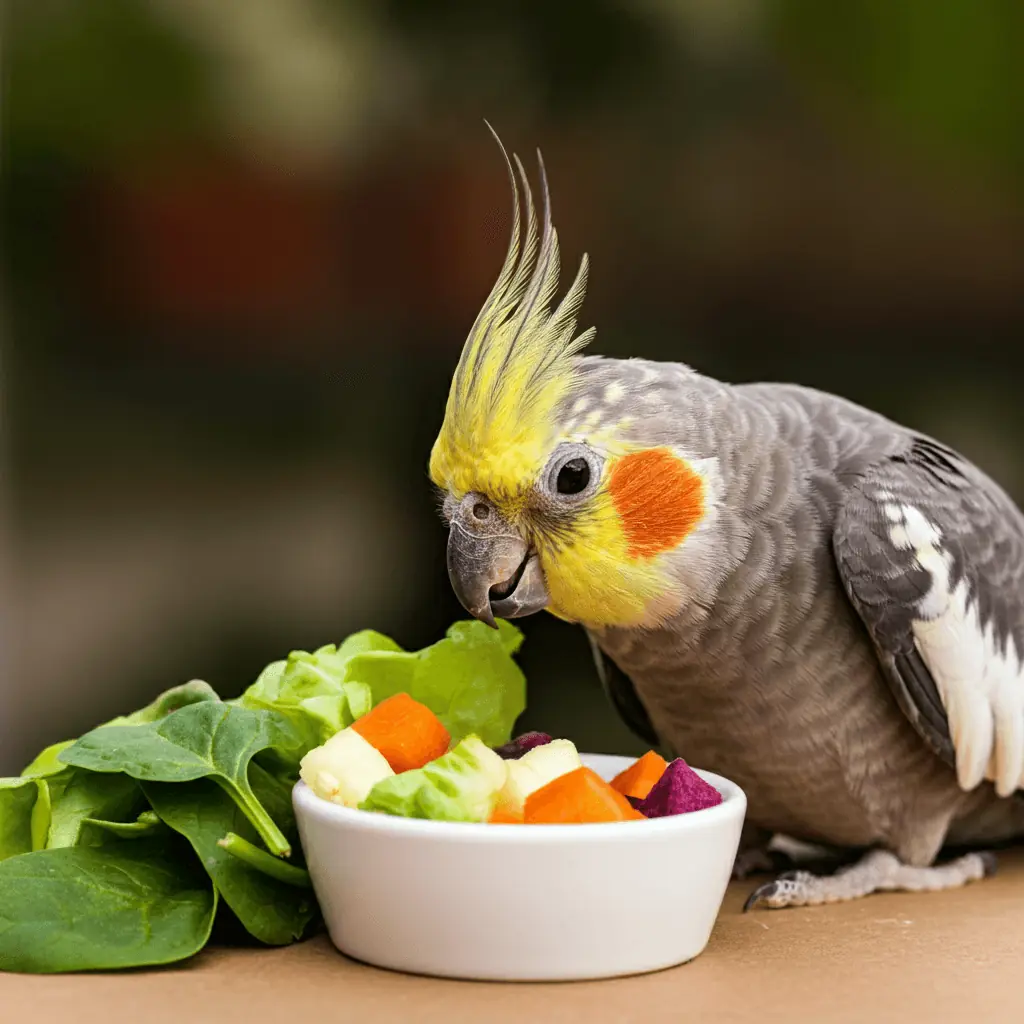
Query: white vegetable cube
(536, 768)
(344, 769)
(494, 767)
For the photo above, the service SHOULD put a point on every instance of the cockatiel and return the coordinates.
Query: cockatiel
(778, 585)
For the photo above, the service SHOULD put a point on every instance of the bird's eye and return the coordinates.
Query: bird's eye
(572, 473)
(573, 477)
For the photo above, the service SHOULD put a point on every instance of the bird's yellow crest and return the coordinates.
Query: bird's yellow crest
(516, 364)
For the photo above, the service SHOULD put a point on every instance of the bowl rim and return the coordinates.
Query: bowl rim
(734, 803)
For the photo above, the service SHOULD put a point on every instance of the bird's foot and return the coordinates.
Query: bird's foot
(756, 860)
(877, 871)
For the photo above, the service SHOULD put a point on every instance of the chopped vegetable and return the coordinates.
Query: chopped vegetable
(344, 769)
(639, 778)
(406, 732)
(578, 797)
(535, 769)
(503, 816)
(679, 790)
(462, 785)
(522, 744)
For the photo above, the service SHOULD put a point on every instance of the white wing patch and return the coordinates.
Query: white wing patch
(981, 687)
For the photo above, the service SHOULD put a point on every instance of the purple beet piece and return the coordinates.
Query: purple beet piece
(679, 790)
(515, 748)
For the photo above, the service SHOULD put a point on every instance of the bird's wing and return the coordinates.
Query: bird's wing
(623, 696)
(931, 554)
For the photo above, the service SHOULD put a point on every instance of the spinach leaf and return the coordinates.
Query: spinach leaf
(209, 738)
(48, 762)
(271, 910)
(17, 801)
(128, 904)
(192, 692)
(76, 795)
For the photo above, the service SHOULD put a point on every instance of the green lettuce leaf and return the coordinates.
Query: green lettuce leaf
(461, 785)
(18, 799)
(469, 679)
(311, 691)
(47, 762)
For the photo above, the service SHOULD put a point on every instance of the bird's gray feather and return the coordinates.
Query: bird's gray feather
(770, 674)
(982, 533)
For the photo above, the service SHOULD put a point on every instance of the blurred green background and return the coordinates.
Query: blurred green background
(243, 241)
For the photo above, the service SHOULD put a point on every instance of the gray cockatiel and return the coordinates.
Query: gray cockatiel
(779, 585)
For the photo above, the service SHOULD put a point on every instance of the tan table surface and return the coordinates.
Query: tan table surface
(956, 956)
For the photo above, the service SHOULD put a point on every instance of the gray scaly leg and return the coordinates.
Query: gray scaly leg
(756, 856)
(877, 871)
(756, 860)
(762, 852)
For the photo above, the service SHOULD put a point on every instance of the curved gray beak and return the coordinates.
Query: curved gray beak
(492, 570)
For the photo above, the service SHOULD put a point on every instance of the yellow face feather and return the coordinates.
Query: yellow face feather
(594, 579)
(516, 365)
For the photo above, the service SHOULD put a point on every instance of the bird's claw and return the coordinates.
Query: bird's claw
(989, 863)
(776, 893)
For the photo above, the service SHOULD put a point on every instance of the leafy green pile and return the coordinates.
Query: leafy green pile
(126, 847)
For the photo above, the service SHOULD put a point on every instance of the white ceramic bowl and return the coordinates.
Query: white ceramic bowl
(521, 902)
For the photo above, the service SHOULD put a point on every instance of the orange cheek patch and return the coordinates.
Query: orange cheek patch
(659, 499)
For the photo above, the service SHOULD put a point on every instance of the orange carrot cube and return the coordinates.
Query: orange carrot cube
(639, 778)
(406, 732)
(503, 816)
(575, 798)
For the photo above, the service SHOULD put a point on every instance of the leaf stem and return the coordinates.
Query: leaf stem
(259, 859)
(267, 828)
(258, 817)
